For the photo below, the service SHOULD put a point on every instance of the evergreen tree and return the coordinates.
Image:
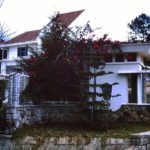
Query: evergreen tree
(66, 62)
(140, 28)
(94, 54)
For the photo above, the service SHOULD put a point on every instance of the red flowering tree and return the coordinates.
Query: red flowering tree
(61, 69)
(51, 68)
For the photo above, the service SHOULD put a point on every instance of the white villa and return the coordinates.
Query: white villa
(128, 67)
(130, 71)
(20, 46)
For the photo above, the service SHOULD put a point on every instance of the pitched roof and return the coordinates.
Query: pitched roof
(68, 18)
(24, 37)
(65, 18)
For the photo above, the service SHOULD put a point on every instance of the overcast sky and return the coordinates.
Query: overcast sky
(111, 15)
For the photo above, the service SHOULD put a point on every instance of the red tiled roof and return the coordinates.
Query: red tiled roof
(24, 37)
(65, 18)
(68, 18)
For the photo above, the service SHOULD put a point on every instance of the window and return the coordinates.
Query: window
(108, 58)
(22, 51)
(119, 58)
(3, 54)
(131, 57)
(17, 70)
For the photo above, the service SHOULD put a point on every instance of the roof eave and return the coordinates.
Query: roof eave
(136, 47)
(18, 44)
(133, 71)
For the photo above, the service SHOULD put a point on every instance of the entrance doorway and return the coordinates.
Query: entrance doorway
(132, 88)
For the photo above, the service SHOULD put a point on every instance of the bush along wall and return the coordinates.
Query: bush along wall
(133, 113)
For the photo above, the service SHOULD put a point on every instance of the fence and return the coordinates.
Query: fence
(18, 113)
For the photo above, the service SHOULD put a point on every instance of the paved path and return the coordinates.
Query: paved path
(142, 134)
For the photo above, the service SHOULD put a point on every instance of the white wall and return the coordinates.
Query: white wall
(12, 52)
(122, 87)
(12, 56)
(7, 63)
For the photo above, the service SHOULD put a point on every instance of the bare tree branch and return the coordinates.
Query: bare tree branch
(4, 32)
(1, 2)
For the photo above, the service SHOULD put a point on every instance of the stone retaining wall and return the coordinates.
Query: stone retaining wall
(73, 113)
(54, 113)
(74, 143)
(65, 143)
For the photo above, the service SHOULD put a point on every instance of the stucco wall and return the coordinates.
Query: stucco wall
(12, 52)
(122, 80)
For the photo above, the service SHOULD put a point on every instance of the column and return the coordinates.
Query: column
(139, 89)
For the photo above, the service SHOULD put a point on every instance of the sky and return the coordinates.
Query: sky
(111, 16)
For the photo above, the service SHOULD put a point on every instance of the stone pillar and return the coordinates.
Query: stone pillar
(16, 85)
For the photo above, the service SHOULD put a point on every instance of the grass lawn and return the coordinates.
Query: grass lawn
(122, 131)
